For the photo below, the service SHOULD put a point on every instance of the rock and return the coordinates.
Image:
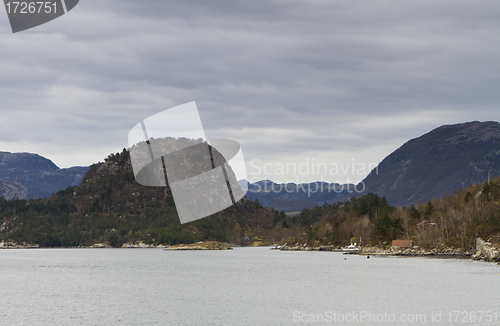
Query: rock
(100, 245)
(4, 227)
(139, 244)
(11, 244)
(203, 245)
(12, 190)
(489, 252)
(478, 255)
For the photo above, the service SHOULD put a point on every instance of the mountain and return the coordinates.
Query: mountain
(109, 206)
(12, 190)
(433, 165)
(39, 176)
(291, 197)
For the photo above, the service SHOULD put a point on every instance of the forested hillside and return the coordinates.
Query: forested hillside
(109, 206)
(454, 221)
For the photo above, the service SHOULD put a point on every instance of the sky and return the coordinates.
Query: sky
(303, 86)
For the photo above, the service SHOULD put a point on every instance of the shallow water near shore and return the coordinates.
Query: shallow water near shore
(244, 286)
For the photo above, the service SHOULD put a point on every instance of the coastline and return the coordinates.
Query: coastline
(485, 251)
(202, 245)
(9, 244)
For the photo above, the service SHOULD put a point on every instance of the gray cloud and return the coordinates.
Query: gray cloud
(291, 79)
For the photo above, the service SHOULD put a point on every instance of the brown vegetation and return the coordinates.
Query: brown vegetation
(453, 221)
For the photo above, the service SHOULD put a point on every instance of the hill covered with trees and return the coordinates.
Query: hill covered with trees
(453, 221)
(109, 206)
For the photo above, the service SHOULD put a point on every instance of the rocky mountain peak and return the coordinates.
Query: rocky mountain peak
(39, 176)
(436, 163)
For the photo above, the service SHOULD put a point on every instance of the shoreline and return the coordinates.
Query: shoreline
(485, 251)
(202, 245)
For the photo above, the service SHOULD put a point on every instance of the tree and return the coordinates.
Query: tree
(414, 213)
(276, 217)
(429, 208)
(387, 229)
(468, 197)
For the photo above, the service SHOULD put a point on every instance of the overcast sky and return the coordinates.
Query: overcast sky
(295, 82)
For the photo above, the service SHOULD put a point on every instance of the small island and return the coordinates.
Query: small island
(202, 245)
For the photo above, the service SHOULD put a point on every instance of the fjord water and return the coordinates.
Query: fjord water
(244, 286)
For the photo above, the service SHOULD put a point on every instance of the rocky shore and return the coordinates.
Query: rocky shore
(438, 251)
(10, 244)
(304, 247)
(138, 244)
(484, 251)
(204, 245)
(141, 244)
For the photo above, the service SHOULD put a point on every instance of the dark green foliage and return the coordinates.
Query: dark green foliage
(414, 213)
(109, 206)
(429, 208)
(279, 216)
(387, 229)
(370, 204)
(310, 236)
(490, 226)
(310, 216)
(276, 217)
(490, 190)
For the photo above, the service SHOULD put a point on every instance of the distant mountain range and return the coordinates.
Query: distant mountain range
(435, 164)
(291, 197)
(26, 175)
(431, 166)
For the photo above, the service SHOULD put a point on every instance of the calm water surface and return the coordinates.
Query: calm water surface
(245, 286)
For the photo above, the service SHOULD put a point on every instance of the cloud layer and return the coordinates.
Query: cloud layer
(337, 81)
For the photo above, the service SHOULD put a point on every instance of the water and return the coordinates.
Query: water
(245, 286)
